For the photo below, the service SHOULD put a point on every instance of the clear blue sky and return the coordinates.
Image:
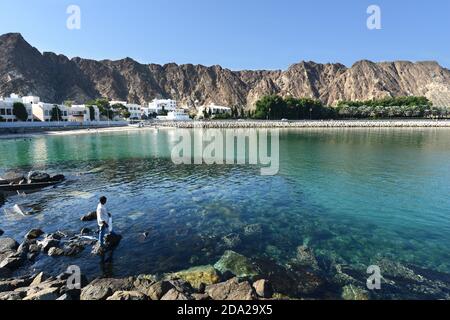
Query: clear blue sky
(237, 34)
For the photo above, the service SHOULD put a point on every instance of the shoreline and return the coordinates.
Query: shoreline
(246, 124)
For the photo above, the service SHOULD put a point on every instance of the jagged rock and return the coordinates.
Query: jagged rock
(11, 285)
(197, 276)
(8, 244)
(263, 288)
(128, 296)
(101, 289)
(91, 216)
(237, 264)
(351, 292)
(34, 234)
(73, 249)
(158, 290)
(34, 248)
(253, 229)
(55, 252)
(305, 257)
(47, 243)
(24, 248)
(40, 278)
(11, 296)
(85, 231)
(174, 294)
(232, 240)
(45, 294)
(37, 177)
(12, 261)
(231, 290)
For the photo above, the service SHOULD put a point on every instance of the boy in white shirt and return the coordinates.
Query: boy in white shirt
(103, 218)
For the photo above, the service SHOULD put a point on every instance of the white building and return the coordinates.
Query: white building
(177, 115)
(213, 110)
(7, 108)
(160, 107)
(43, 111)
(134, 109)
(82, 113)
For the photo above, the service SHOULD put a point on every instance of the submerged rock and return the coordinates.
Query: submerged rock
(34, 234)
(1, 231)
(197, 276)
(253, 229)
(305, 257)
(237, 264)
(231, 290)
(352, 292)
(232, 240)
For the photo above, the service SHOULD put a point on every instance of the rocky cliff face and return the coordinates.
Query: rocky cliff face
(24, 70)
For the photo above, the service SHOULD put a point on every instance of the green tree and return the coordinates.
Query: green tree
(91, 113)
(56, 114)
(20, 111)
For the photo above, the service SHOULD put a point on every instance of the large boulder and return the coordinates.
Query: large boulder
(34, 234)
(263, 288)
(237, 264)
(198, 276)
(231, 290)
(157, 290)
(8, 244)
(91, 216)
(128, 296)
(101, 289)
(45, 294)
(174, 294)
(12, 261)
(38, 177)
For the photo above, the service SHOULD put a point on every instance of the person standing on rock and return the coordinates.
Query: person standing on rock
(102, 220)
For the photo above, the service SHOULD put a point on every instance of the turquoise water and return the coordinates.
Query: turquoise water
(353, 195)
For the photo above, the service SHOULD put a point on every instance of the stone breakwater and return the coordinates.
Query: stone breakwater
(303, 124)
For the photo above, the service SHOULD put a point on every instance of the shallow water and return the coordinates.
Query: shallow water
(353, 195)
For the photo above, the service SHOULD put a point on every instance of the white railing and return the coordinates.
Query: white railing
(62, 124)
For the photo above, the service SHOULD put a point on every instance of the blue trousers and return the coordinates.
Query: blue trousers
(101, 235)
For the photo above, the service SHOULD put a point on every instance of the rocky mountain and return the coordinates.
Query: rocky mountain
(55, 78)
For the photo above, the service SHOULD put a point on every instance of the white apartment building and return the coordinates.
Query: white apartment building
(134, 109)
(82, 113)
(7, 108)
(160, 106)
(43, 111)
(213, 110)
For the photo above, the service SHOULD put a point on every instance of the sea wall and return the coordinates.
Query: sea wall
(34, 127)
(305, 124)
